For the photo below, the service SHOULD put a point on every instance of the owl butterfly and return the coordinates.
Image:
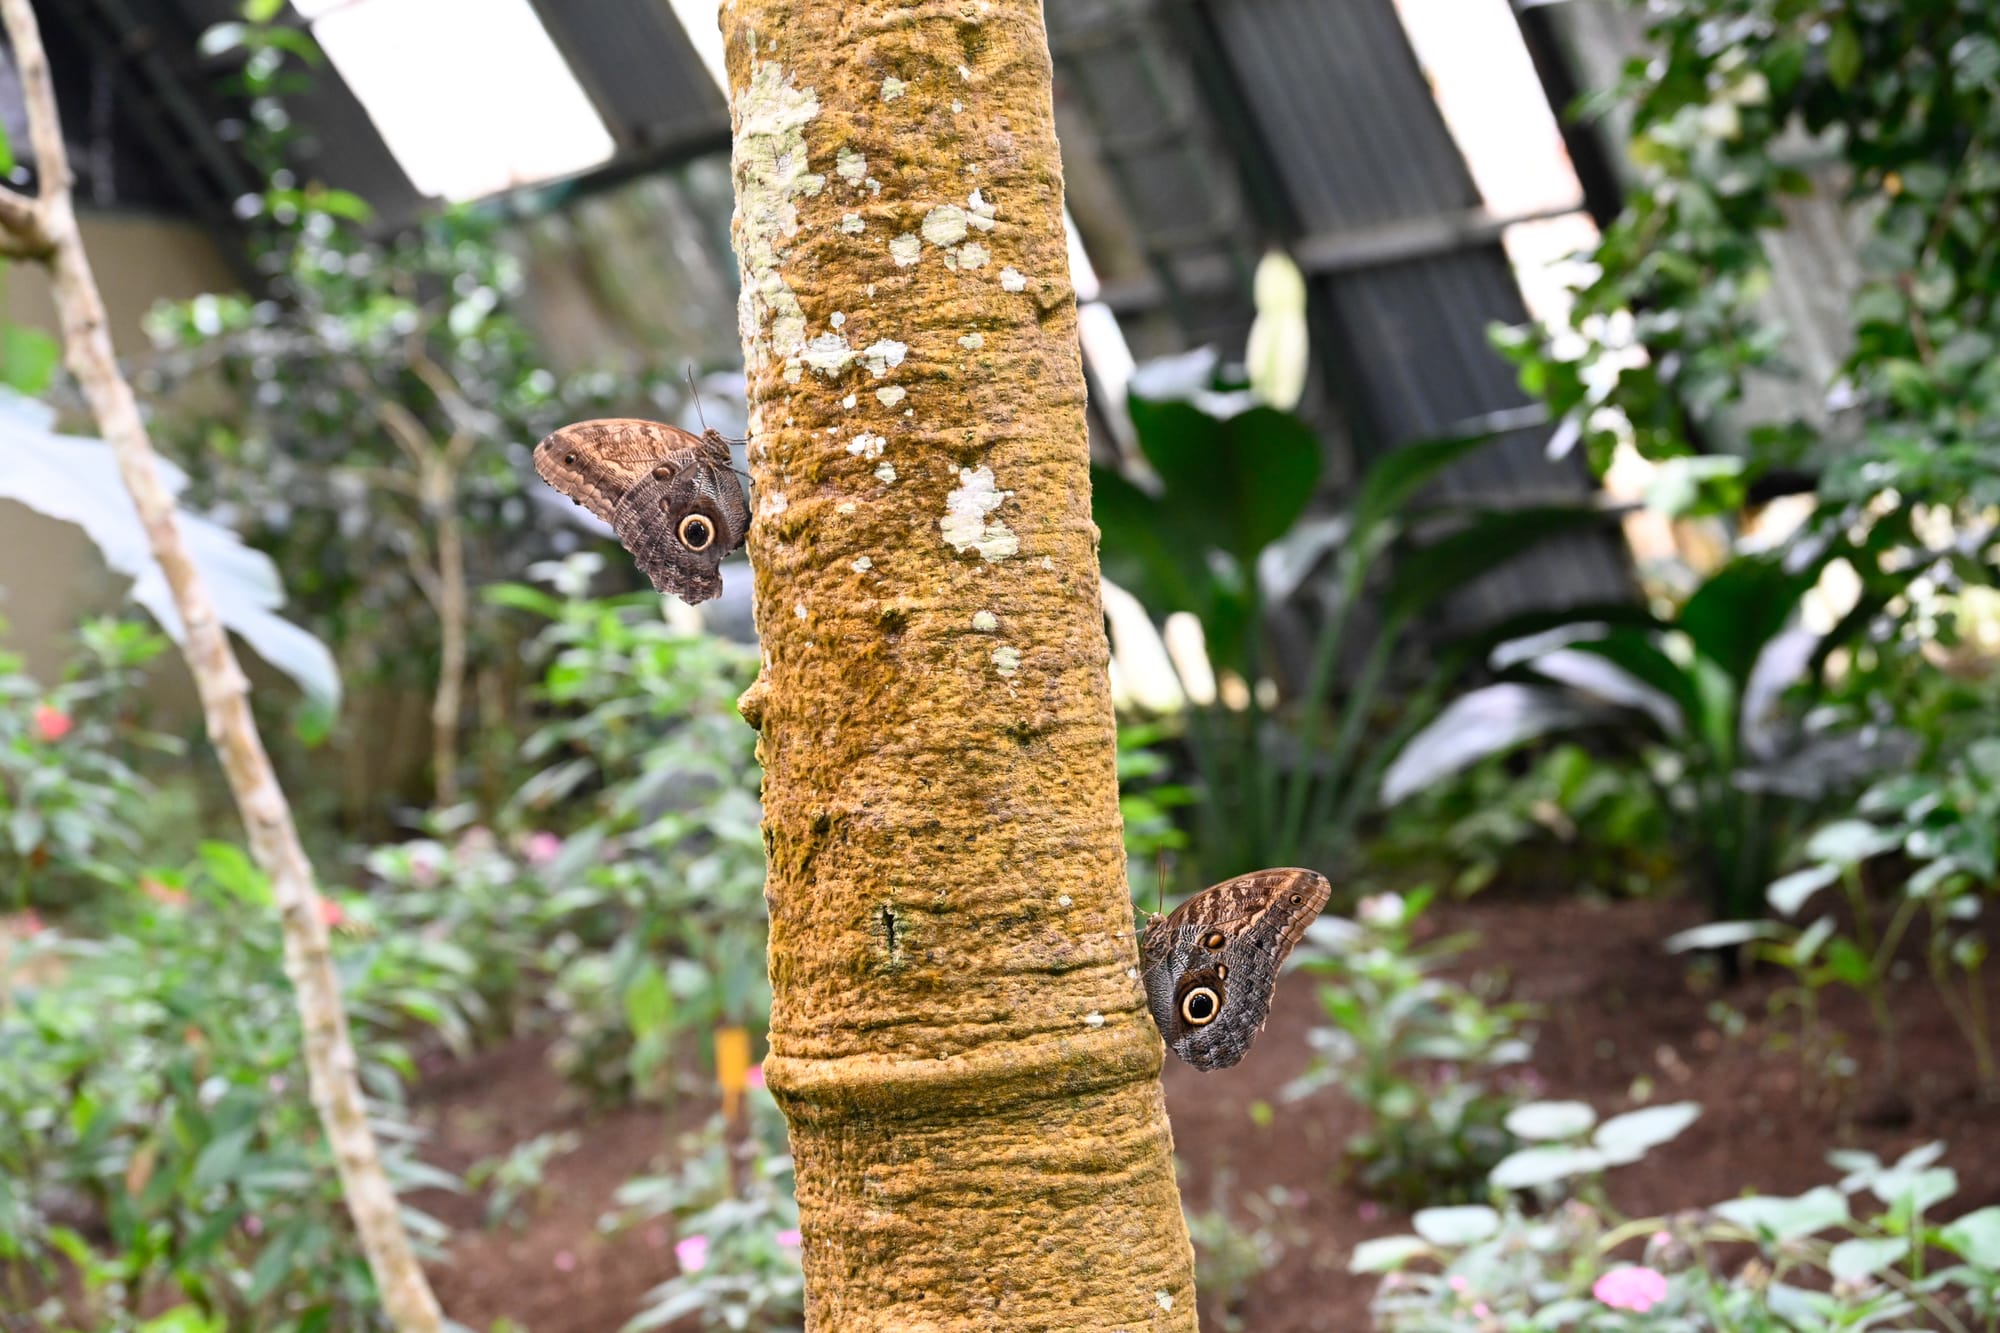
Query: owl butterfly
(1211, 966)
(670, 495)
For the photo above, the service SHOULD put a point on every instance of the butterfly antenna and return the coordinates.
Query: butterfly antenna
(695, 394)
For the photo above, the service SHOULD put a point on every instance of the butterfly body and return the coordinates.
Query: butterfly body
(670, 496)
(1211, 965)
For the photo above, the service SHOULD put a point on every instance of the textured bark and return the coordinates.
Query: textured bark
(45, 227)
(959, 1034)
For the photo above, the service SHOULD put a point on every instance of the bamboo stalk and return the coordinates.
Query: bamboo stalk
(46, 227)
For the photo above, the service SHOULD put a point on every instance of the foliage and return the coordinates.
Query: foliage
(1942, 822)
(1563, 817)
(1417, 1051)
(1864, 1254)
(69, 796)
(1672, 323)
(1231, 1254)
(152, 1089)
(75, 479)
(1216, 530)
(1697, 703)
(517, 1175)
(1145, 801)
(738, 1224)
(660, 892)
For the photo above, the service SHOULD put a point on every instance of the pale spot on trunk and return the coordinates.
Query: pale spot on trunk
(886, 472)
(884, 355)
(1006, 660)
(866, 445)
(972, 342)
(1011, 280)
(852, 224)
(944, 225)
(1094, 1019)
(985, 621)
(863, 564)
(967, 523)
(892, 88)
(906, 249)
(892, 395)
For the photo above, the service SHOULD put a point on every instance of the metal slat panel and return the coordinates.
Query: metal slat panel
(635, 61)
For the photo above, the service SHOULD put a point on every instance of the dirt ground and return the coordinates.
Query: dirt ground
(1618, 1016)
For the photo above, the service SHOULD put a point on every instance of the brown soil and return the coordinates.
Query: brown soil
(1622, 1024)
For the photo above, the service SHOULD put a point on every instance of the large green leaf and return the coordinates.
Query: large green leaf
(1482, 722)
(1639, 654)
(1489, 540)
(1740, 607)
(76, 480)
(1239, 482)
(1399, 474)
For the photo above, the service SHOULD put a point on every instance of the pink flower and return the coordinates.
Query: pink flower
(755, 1078)
(691, 1253)
(31, 922)
(1481, 1310)
(1369, 1212)
(565, 1261)
(790, 1239)
(1458, 1283)
(541, 848)
(253, 1226)
(51, 723)
(1634, 1289)
(1381, 910)
(331, 913)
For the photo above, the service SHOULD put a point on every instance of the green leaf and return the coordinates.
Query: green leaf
(6, 152)
(649, 1004)
(1740, 607)
(1544, 1165)
(1398, 475)
(1847, 964)
(1788, 894)
(1975, 1237)
(1852, 1260)
(1843, 54)
(1849, 842)
(262, 11)
(1718, 935)
(1234, 484)
(1478, 724)
(1490, 540)
(1785, 1219)
(219, 1161)
(1452, 1227)
(28, 357)
(1545, 1121)
(1628, 1137)
(1386, 1254)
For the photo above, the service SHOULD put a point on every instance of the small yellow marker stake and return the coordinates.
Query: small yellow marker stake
(732, 1067)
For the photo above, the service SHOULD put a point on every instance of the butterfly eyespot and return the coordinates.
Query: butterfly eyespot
(1200, 1006)
(696, 533)
(1213, 940)
(663, 473)
(1222, 971)
(1296, 899)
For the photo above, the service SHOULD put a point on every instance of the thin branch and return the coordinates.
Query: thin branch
(272, 832)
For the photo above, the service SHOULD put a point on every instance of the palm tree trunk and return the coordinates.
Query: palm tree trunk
(959, 1036)
(45, 228)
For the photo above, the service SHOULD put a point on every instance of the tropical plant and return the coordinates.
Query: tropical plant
(69, 795)
(1215, 530)
(1867, 1253)
(1697, 702)
(1422, 1055)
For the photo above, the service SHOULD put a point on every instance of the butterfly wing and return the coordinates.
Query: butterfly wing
(671, 497)
(1212, 965)
(595, 463)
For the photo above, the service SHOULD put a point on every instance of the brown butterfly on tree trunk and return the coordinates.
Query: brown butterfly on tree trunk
(1210, 967)
(670, 495)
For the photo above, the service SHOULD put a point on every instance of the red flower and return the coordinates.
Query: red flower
(51, 723)
(331, 912)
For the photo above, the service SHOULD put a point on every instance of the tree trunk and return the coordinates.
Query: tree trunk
(959, 1036)
(45, 228)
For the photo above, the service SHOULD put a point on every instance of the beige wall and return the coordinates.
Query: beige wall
(50, 574)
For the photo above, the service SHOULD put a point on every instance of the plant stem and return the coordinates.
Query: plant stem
(49, 227)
